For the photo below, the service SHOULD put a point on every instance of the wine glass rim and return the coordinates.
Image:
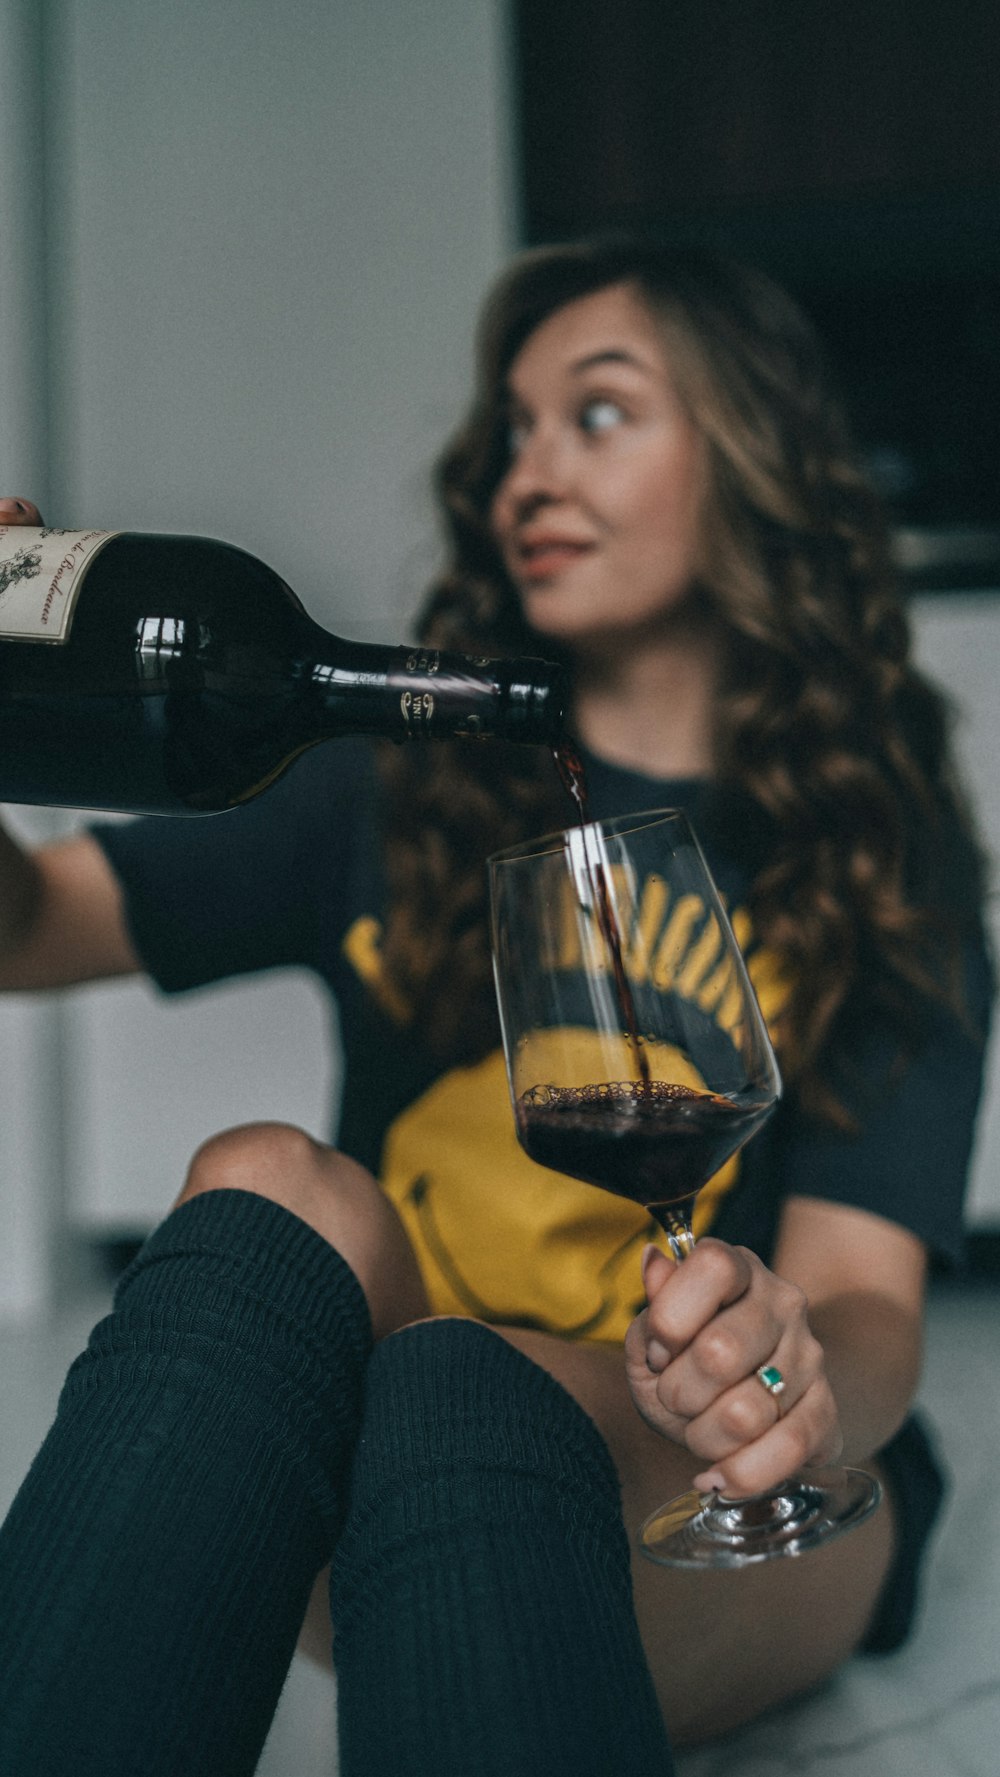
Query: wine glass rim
(613, 826)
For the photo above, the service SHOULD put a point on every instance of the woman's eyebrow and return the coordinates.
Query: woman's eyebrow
(591, 361)
(611, 355)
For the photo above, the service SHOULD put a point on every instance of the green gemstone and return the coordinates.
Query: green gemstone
(770, 1377)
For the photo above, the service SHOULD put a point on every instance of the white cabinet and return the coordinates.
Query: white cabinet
(30, 1137)
(958, 644)
(149, 1078)
(32, 1186)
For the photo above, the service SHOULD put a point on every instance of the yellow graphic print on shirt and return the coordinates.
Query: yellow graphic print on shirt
(503, 1239)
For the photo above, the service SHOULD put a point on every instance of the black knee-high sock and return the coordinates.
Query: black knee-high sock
(156, 1564)
(481, 1594)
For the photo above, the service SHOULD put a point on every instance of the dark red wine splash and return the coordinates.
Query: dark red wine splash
(573, 775)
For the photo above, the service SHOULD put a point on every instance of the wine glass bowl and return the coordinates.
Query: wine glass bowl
(639, 1061)
(637, 1056)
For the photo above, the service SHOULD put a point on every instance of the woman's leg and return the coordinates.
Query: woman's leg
(481, 1588)
(155, 1566)
(722, 1647)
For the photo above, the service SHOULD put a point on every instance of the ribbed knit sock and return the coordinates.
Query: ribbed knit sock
(481, 1591)
(157, 1561)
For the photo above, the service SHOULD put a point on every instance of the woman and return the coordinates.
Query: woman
(654, 485)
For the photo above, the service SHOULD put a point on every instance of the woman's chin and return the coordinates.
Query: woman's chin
(551, 612)
(584, 637)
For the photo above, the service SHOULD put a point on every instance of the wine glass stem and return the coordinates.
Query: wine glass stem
(677, 1229)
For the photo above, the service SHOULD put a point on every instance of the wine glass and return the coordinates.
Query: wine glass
(639, 1061)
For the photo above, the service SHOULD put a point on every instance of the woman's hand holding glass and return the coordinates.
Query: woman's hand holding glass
(692, 1361)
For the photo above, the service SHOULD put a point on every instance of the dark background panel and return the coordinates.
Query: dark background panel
(853, 150)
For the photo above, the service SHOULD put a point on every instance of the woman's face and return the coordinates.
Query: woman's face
(598, 516)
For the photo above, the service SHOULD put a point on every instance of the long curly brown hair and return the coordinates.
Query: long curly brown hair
(823, 722)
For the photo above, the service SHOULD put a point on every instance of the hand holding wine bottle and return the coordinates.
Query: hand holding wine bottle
(15, 510)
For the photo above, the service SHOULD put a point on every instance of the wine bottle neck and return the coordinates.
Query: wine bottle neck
(414, 693)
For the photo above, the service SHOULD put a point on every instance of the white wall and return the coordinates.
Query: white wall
(23, 428)
(242, 245)
(31, 1183)
(271, 223)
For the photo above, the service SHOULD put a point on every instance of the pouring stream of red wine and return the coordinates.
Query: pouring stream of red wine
(574, 777)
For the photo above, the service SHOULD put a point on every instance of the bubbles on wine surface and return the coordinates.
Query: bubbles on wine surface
(627, 1096)
(654, 1141)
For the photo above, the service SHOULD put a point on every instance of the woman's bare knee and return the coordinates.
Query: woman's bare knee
(333, 1194)
(272, 1159)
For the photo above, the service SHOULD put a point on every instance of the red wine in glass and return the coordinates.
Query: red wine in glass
(653, 1141)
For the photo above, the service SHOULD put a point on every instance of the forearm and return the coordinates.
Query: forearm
(863, 1279)
(873, 1350)
(21, 895)
(61, 916)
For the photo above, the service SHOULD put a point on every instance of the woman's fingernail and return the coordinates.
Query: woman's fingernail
(657, 1356)
(710, 1482)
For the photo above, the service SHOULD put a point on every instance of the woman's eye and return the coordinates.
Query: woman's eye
(600, 415)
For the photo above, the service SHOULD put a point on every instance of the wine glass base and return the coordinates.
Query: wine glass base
(699, 1530)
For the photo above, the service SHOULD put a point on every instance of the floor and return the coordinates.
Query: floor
(932, 1710)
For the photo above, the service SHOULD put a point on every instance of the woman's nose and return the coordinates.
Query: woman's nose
(540, 471)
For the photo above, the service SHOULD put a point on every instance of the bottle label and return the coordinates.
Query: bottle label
(41, 572)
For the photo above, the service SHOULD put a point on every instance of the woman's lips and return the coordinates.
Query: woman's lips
(545, 559)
